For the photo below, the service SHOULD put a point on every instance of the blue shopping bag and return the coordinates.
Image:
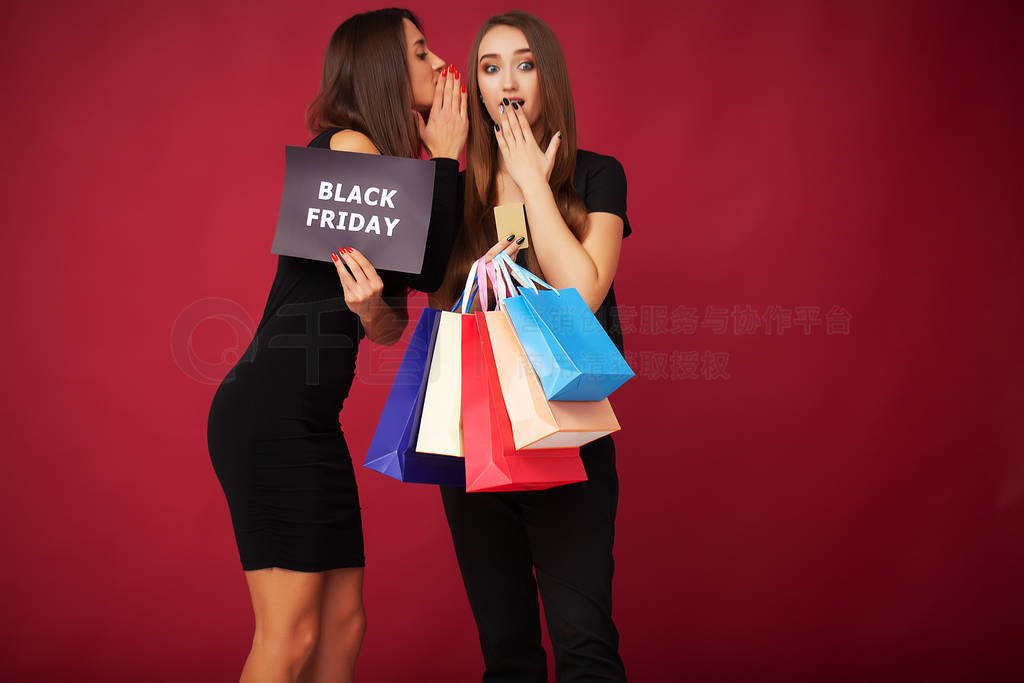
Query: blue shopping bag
(568, 348)
(393, 449)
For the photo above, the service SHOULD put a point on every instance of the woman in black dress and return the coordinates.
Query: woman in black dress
(274, 435)
(558, 540)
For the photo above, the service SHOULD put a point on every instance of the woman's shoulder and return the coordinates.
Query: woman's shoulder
(323, 139)
(345, 139)
(601, 182)
(598, 172)
(593, 161)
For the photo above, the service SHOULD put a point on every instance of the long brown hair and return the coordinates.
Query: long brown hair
(483, 158)
(366, 84)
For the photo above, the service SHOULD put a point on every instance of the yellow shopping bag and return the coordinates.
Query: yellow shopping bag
(441, 423)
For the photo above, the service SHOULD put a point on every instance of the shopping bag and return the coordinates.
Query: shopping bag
(573, 356)
(392, 450)
(440, 430)
(441, 420)
(537, 422)
(492, 462)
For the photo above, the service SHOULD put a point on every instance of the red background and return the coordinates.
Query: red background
(841, 508)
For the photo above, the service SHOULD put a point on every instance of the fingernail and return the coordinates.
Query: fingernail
(334, 256)
(515, 105)
(458, 74)
(504, 100)
(497, 127)
(444, 72)
(510, 237)
(559, 134)
(463, 88)
(520, 240)
(501, 108)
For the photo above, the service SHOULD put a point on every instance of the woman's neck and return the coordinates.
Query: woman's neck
(507, 190)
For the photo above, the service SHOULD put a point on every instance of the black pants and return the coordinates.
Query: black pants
(565, 536)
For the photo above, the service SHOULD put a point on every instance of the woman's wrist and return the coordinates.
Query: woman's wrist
(535, 188)
(371, 310)
(380, 322)
(446, 154)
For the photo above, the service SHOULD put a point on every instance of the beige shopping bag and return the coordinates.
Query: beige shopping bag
(441, 422)
(537, 422)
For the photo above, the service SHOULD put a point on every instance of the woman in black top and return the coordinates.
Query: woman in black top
(575, 202)
(273, 432)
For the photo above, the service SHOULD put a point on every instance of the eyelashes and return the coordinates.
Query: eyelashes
(522, 66)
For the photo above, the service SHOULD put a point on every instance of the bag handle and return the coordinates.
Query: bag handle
(509, 283)
(467, 299)
(523, 275)
(461, 296)
(500, 290)
(503, 260)
(481, 283)
(485, 271)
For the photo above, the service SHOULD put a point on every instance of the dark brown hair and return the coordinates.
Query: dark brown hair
(482, 155)
(366, 84)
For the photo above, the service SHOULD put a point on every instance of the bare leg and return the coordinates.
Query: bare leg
(287, 608)
(342, 624)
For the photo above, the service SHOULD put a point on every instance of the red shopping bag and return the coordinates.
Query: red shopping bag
(492, 462)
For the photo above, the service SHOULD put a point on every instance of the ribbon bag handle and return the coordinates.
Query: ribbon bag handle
(498, 282)
(462, 296)
(467, 299)
(523, 275)
(509, 283)
(481, 283)
(483, 272)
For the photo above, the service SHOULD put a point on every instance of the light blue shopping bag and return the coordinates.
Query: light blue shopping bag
(568, 348)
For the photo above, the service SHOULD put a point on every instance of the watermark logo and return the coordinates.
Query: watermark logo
(191, 318)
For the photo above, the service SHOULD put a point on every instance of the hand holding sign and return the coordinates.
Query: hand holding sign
(444, 133)
(360, 281)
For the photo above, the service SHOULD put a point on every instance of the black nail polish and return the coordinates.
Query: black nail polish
(510, 237)
(515, 105)
(520, 240)
(497, 127)
(559, 135)
(504, 101)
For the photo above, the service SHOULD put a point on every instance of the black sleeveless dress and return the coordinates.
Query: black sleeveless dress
(273, 430)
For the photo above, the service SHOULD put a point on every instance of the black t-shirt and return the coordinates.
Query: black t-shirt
(601, 183)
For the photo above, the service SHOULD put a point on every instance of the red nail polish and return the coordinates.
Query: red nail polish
(334, 257)
(463, 88)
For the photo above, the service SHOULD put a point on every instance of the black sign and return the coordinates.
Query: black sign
(379, 205)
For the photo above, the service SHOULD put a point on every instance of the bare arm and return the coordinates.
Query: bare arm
(589, 264)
